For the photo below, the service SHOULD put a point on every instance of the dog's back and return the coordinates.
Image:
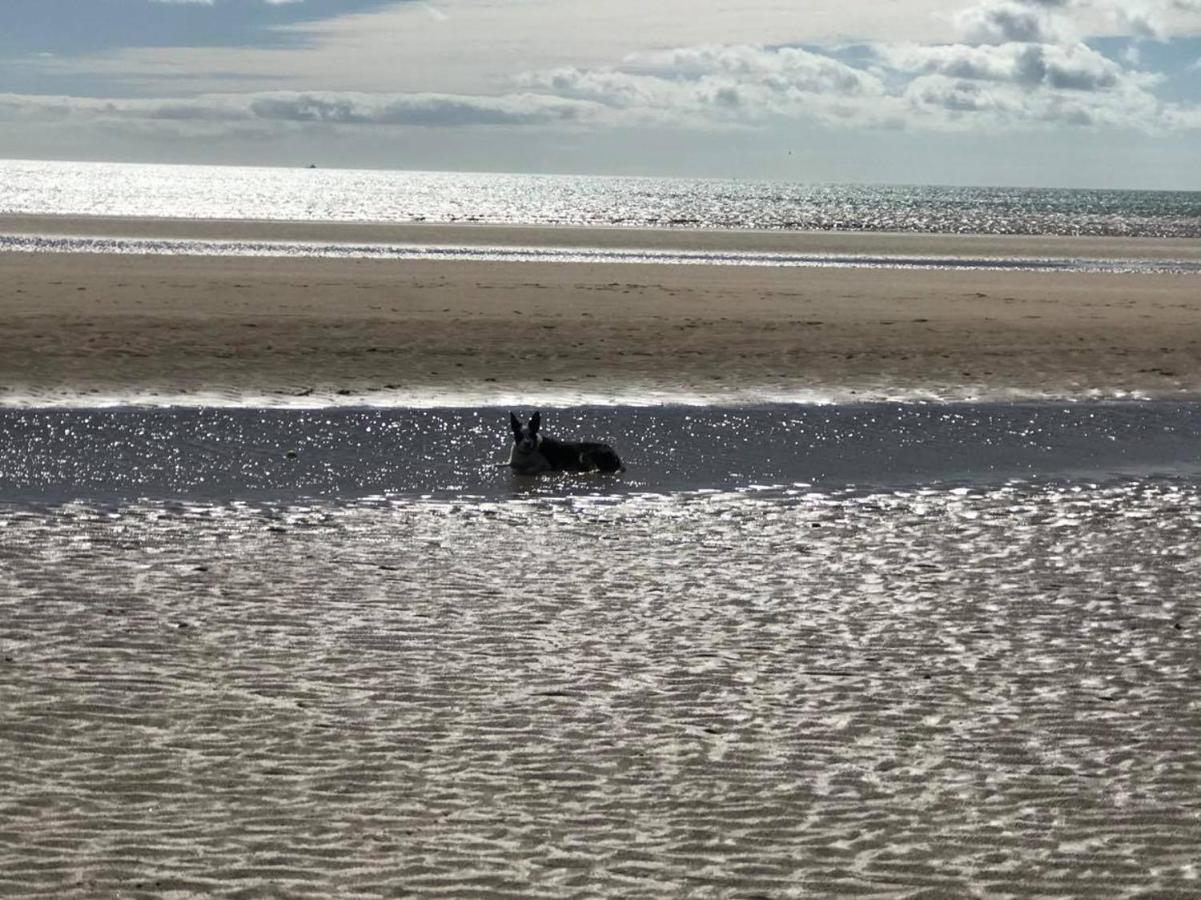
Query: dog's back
(601, 457)
(580, 456)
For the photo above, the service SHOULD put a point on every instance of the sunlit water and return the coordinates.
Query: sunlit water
(500, 253)
(197, 453)
(791, 652)
(230, 192)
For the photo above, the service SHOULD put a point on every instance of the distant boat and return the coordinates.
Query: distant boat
(312, 165)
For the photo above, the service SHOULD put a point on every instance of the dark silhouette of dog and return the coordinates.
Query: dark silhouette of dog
(535, 454)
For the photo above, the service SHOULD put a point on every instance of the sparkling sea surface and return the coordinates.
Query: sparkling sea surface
(231, 192)
(881, 649)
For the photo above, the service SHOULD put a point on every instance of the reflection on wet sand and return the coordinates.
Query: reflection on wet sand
(769, 692)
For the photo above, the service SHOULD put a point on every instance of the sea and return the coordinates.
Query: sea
(910, 648)
(367, 195)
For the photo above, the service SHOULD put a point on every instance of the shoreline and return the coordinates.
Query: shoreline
(609, 237)
(620, 396)
(86, 329)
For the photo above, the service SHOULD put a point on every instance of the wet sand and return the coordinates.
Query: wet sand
(393, 331)
(929, 694)
(610, 238)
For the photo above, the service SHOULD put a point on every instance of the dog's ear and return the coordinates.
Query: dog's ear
(535, 422)
(515, 423)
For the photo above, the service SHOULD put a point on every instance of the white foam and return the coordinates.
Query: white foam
(624, 395)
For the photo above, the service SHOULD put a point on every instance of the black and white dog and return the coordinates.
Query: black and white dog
(534, 454)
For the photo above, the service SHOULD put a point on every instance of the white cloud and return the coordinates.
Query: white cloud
(1058, 67)
(1156, 20)
(958, 103)
(1022, 70)
(1005, 21)
(482, 46)
(956, 87)
(715, 85)
(474, 46)
(781, 68)
(987, 86)
(426, 110)
(1057, 21)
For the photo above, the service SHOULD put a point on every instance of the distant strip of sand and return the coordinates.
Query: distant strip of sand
(384, 330)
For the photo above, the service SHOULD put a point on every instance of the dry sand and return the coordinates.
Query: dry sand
(385, 330)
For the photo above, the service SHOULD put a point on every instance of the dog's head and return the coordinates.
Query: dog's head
(526, 437)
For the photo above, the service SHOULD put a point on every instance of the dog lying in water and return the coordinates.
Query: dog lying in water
(534, 454)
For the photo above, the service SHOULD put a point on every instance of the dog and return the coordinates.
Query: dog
(533, 454)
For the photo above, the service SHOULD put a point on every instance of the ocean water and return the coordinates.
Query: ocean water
(119, 189)
(793, 651)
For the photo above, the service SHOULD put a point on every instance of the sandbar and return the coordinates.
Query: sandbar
(267, 329)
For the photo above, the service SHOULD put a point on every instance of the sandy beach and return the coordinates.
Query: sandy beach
(328, 330)
(865, 649)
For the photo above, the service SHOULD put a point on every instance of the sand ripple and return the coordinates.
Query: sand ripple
(769, 694)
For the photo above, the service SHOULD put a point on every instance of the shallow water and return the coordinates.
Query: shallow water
(20, 243)
(56, 455)
(794, 651)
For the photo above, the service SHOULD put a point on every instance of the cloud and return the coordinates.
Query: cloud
(333, 109)
(929, 88)
(423, 110)
(1005, 21)
(780, 68)
(1154, 20)
(1141, 23)
(958, 103)
(721, 85)
(989, 86)
(1073, 67)
(1021, 69)
(1069, 21)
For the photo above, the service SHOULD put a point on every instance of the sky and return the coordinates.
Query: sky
(1072, 93)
